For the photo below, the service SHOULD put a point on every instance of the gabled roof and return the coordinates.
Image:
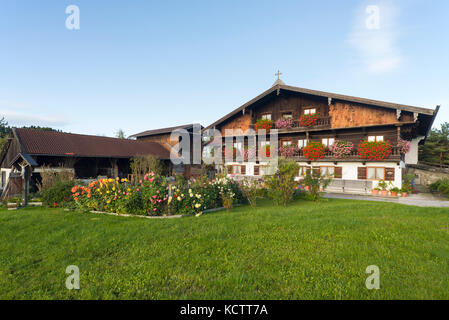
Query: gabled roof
(38, 142)
(162, 130)
(277, 87)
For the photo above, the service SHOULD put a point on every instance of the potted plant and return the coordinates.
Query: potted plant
(374, 150)
(404, 192)
(394, 191)
(341, 148)
(314, 151)
(383, 188)
(264, 124)
(375, 191)
(284, 123)
(308, 120)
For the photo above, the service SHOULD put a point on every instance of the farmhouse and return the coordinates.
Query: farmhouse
(302, 116)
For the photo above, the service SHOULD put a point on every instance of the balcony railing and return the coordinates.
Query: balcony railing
(323, 122)
(395, 155)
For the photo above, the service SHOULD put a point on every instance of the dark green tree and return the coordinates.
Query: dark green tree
(436, 149)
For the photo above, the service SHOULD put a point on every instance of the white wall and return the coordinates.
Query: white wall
(7, 172)
(349, 169)
(411, 157)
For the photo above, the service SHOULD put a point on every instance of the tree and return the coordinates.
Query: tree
(120, 134)
(436, 148)
(4, 131)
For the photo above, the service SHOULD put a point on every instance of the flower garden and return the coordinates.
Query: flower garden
(155, 195)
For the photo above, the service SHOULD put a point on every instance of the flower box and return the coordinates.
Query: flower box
(314, 151)
(308, 120)
(374, 150)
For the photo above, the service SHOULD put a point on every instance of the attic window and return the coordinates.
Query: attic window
(310, 111)
(266, 116)
(287, 115)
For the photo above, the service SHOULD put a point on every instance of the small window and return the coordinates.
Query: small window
(302, 143)
(375, 173)
(285, 143)
(327, 171)
(287, 115)
(376, 138)
(238, 169)
(303, 170)
(310, 111)
(266, 116)
(327, 142)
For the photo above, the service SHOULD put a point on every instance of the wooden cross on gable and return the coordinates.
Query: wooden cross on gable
(278, 74)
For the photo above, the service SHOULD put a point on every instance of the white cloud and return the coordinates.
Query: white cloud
(377, 48)
(32, 116)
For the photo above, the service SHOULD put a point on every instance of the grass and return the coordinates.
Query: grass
(302, 251)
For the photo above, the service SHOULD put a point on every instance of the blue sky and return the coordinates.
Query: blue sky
(139, 65)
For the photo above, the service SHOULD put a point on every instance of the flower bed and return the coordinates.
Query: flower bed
(308, 120)
(314, 151)
(341, 149)
(374, 150)
(154, 195)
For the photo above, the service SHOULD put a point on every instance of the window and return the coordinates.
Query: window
(302, 143)
(238, 169)
(264, 143)
(285, 143)
(266, 116)
(327, 142)
(327, 171)
(310, 111)
(260, 170)
(376, 173)
(287, 115)
(303, 170)
(376, 138)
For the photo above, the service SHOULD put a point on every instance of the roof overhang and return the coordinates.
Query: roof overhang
(23, 159)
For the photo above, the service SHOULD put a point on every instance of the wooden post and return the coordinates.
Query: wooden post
(25, 186)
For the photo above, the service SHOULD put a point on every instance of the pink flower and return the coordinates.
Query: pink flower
(137, 189)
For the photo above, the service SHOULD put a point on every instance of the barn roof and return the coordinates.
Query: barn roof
(38, 142)
(162, 130)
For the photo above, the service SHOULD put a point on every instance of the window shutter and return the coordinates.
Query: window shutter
(316, 170)
(256, 170)
(389, 174)
(361, 173)
(243, 169)
(338, 172)
(229, 169)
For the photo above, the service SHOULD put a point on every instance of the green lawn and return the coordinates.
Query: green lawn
(303, 251)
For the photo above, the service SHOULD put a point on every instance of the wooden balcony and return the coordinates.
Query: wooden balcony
(395, 156)
(322, 123)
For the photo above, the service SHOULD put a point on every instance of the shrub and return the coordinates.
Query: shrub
(374, 150)
(282, 184)
(341, 149)
(308, 120)
(441, 186)
(141, 165)
(59, 194)
(51, 176)
(226, 189)
(252, 190)
(314, 151)
(316, 184)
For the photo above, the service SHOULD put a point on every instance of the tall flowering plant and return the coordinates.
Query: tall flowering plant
(308, 120)
(404, 145)
(284, 123)
(341, 149)
(264, 124)
(374, 150)
(314, 151)
(289, 151)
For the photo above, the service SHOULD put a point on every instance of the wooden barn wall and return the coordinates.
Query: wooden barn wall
(162, 139)
(292, 103)
(353, 115)
(242, 121)
(11, 154)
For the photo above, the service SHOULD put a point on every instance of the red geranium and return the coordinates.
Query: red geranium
(308, 120)
(374, 150)
(314, 151)
(264, 124)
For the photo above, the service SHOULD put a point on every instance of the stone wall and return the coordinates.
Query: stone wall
(425, 175)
